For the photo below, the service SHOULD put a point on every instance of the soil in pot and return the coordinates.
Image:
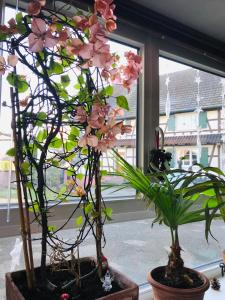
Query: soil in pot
(159, 275)
(91, 286)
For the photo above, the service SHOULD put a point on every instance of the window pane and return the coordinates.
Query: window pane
(7, 174)
(193, 122)
(191, 114)
(126, 144)
(56, 178)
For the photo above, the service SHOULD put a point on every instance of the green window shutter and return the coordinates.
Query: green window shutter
(172, 162)
(204, 157)
(203, 119)
(171, 123)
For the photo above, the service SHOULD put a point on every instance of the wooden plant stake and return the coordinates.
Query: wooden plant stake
(98, 196)
(23, 212)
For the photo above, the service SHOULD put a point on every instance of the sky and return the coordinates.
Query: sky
(167, 66)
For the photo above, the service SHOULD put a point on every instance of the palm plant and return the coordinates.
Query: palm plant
(174, 194)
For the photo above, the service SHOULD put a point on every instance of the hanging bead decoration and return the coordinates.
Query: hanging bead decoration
(223, 124)
(168, 103)
(198, 110)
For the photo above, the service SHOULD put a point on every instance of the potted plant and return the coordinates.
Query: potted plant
(173, 193)
(61, 72)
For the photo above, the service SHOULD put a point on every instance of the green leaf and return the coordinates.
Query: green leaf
(79, 176)
(75, 131)
(210, 203)
(65, 80)
(70, 157)
(21, 28)
(62, 191)
(64, 94)
(70, 172)
(55, 163)
(79, 221)
(56, 143)
(77, 86)
(51, 228)
(42, 116)
(3, 36)
(104, 173)
(19, 18)
(42, 135)
(18, 81)
(88, 208)
(70, 145)
(29, 185)
(84, 151)
(81, 79)
(11, 152)
(122, 102)
(25, 168)
(55, 68)
(108, 90)
(34, 208)
(108, 213)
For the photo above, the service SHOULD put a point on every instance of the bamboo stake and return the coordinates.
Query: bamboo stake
(23, 224)
(99, 217)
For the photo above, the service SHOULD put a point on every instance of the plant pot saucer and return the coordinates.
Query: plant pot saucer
(128, 289)
(163, 292)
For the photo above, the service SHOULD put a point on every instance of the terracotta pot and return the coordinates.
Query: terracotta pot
(130, 290)
(163, 292)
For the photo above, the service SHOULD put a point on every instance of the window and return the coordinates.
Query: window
(191, 114)
(127, 141)
(192, 117)
(186, 158)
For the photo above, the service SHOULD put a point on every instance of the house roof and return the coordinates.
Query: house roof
(206, 139)
(183, 91)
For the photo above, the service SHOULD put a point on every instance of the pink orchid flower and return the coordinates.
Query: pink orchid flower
(98, 115)
(87, 139)
(108, 142)
(126, 129)
(102, 57)
(2, 65)
(97, 33)
(86, 51)
(98, 54)
(74, 46)
(81, 22)
(95, 121)
(40, 37)
(116, 112)
(102, 146)
(12, 60)
(81, 115)
(110, 25)
(34, 8)
(105, 8)
(11, 29)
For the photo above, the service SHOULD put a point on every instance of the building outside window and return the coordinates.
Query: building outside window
(191, 136)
